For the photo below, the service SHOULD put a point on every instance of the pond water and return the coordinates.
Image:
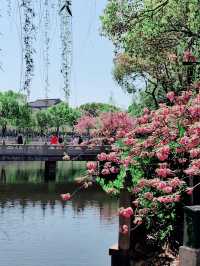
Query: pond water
(37, 229)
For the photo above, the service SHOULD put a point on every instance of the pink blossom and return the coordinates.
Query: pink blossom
(192, 171)
(85, 123)
(171, 96)
(161, 185)
(65, 197)
(126, 213)
(126, 162)
(136, 203)
(163, 172)
(163, 153)
(129, 141)
(111, 140)
(146, 111)
(142, 183)
(114, 170)
(148, 195)
(105, 172)
(102, 156)
(176, 182)
(136, 190)
(143, 119)
(91, 165)
(167, 189)
(195, 111)
(194, 153)
(165, 199)
(184, 141)
(112, 157)
(177, 198)
(196, 163)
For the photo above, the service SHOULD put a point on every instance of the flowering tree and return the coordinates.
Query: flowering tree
(162, 152)
(85, 123)
(106, 128)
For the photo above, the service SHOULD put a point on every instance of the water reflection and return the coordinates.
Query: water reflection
(33, 172)
(38, 229)
(106, 206)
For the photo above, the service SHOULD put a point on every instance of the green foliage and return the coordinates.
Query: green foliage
(62, 115)
(43, 119)
(139, 103)
(24, 120)
(94, 109)
(14, 110)
(74, 115)
(115, 185)
(145, 33)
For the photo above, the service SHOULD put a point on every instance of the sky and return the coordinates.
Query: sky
(91, 79)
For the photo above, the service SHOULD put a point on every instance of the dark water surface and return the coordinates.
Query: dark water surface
(37, 229)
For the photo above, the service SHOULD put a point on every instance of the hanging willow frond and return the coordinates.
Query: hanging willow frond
(66, 42)
(28, 40)
(46, 49)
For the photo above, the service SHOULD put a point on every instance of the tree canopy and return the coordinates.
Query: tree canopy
(148, 37)
(94, 109)
(14, 110)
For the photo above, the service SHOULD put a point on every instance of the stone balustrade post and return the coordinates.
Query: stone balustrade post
(120, 252)
(190, 251)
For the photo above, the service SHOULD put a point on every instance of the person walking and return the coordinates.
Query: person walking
(60, 140)
(19, 139)
(54, 140)
(80, 140)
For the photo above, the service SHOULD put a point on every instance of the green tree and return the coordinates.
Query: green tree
(24, 120)
(139, 103)
(13, 109)
(73, 116)
(146, 35)
(61, 115)
(94, 109)
(43, 120)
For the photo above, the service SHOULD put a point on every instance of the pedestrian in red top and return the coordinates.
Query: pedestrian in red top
(54, 140)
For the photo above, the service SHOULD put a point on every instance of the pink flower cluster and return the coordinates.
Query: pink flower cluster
(102, 157)
(163, 153)
(169, 199)
(163, 171)
(126, 213)
(66, 197)
(85, 123)
(164, 143)
(92, 167)
(171, 96)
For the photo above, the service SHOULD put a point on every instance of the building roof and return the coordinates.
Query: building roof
(44, 103)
